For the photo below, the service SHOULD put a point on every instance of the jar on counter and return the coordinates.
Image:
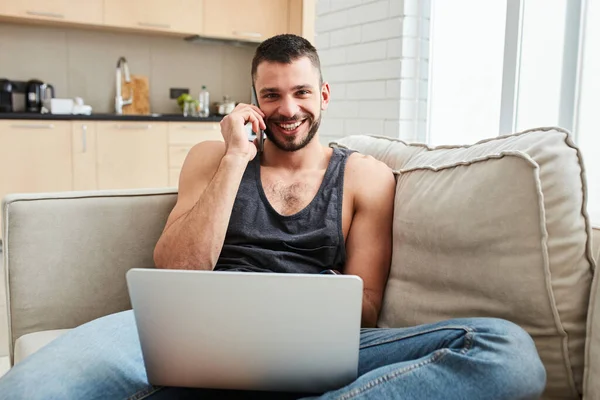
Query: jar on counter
(226, 106)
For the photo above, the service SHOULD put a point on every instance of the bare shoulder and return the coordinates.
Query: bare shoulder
(204, 156)
(368, 177)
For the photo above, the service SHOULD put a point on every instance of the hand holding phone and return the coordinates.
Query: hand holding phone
(260, 134)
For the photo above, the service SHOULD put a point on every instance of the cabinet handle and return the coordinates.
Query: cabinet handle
(154, 25)
(248, 34)
(45, 14)
(84, 138)
(32, 126)
(133, 127)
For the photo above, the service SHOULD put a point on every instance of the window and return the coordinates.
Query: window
(466, 52)
(540, 70)
(588, 112)
(507, 65)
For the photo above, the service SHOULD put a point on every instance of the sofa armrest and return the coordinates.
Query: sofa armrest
(66, 254)
(592, 354)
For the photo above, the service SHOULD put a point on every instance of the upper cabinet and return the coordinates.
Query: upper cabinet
(74, 11)
(240, 20)
(249, 20)
(177, 16)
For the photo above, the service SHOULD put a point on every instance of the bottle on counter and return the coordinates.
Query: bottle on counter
(203, 100)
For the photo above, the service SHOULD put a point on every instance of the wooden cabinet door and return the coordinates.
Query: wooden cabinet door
(35, 156)
(182, 137)
(83, 139)
(132, 155)
(84, 12)
(251, 20)
(177, 16)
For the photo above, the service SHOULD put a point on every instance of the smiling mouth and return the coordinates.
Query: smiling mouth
(290, 126)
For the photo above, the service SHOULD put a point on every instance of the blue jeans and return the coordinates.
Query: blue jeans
(478, 358)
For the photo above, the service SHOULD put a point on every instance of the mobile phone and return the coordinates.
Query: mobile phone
(260, 134)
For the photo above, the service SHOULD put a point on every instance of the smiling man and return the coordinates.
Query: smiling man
(297, 207)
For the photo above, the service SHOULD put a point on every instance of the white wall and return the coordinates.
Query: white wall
(374, 54)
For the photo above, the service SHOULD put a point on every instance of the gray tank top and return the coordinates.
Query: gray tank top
(259, 239)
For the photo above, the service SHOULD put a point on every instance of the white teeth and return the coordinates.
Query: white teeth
(290, 127)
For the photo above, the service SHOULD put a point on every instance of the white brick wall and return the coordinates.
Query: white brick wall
(374, 54)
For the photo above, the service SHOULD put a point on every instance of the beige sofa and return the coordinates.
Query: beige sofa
(494, 229)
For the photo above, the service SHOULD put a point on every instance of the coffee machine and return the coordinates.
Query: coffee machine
(6, 96)
(35, 93)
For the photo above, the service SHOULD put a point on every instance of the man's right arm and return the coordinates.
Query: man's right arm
(210, 177)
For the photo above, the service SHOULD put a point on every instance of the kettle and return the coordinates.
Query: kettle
(36, 92)
(6, 93)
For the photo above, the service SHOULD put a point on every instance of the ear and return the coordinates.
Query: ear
(325, 95)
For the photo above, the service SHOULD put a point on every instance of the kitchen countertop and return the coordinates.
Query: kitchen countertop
(109, 117)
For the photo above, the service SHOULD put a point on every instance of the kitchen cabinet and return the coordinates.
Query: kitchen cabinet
(131, 155)
(83, 152)
(177, 16)
(75, 11)
(245, 20)
(182, 137)
(250, 20)
(35, 156)
(55, 156)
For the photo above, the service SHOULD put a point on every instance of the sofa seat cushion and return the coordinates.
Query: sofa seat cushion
(494, 229)
(32, 342)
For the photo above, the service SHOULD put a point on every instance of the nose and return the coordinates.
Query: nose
(288, 107)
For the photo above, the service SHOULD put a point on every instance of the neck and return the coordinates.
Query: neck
(310, 156)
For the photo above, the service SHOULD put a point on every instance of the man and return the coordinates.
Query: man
(296, 207)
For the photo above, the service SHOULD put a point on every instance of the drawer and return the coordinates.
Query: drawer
(190, 133)
(174, 177)
(177, 155)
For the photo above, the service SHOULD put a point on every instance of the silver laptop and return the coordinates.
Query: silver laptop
(247, 331)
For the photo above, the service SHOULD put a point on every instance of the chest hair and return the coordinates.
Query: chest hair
(289, 198)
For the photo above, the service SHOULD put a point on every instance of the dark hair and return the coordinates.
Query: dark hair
(285, 49)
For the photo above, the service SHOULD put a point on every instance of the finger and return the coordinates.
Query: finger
(243, 106)
(258, 110)
(260, 119)
(253, 119)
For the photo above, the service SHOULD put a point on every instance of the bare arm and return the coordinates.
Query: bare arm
(369, 241)
(211, 174)
(195, 230)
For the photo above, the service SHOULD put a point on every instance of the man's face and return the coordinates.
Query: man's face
(292, 98)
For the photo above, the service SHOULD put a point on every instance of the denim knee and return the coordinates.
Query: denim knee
(519, 372)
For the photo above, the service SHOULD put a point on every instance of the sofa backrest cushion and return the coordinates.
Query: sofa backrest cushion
(493, 229)
(82, 243)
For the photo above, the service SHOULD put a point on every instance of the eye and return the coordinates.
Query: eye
(270, 96)
(302, 92)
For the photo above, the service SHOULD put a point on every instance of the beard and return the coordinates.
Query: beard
(288, 143)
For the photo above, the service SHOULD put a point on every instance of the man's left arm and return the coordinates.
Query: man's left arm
(369, 240)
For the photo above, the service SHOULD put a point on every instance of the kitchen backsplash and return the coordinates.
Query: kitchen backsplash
(81, 62)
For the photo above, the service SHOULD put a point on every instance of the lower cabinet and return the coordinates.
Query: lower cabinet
(132, 155)
(56, 156)
(35, 156)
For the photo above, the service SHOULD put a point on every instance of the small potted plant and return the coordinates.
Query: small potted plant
(189, 106)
